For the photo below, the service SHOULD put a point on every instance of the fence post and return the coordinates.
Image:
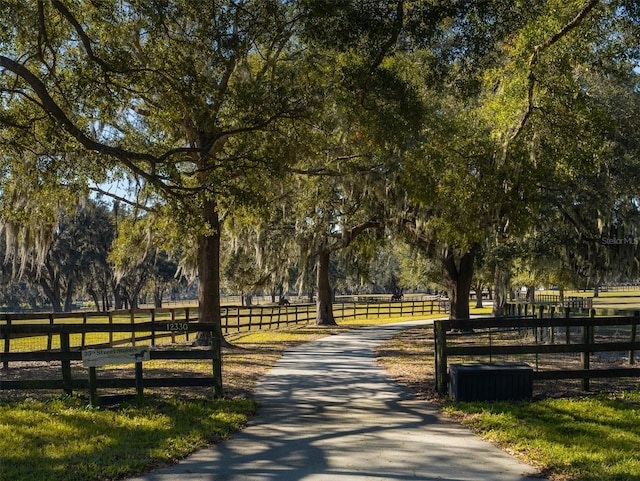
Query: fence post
(186, 319)
(567, 311)
(153, 327)
(173, 320)
(586, 353)
(7, 343)
(539, 332)
(139, 383)
(216, 359)
(541, 329)
(552, 315)
(224, 318)
(83, 338)
(132, 318)
(440, 336)
(50, 335)
(110, 314)
(65, 348)
(634, 330)
(93, 390)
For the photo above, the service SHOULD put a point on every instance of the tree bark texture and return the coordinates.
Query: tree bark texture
(324, 305)
(478, 289)
(53, 294)
(501, 288)
(209, 274)
(459, 276)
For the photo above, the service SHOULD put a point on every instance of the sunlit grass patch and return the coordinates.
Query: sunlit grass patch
(591, 438)
(63, 439)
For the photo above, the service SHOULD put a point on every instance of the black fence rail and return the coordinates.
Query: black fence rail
(66, 354)
(117, 334)
(551, 300)
(559, 348)
(241, 318)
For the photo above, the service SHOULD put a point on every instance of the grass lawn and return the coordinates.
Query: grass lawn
(63, 439)
(594, 438)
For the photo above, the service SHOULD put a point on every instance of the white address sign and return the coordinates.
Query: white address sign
(114, 355)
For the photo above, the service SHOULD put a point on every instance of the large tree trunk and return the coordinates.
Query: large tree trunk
(501, 288)
(94, 296)
(117, 295)
(68, 298)
(209, 290)
(209, 275)
(52, 294)
(158, 293)
(479, 288)
(324, 305)
(459, 277)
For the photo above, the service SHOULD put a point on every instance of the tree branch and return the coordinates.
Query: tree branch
(124, 200)
(359, 229)
(387, 46)
(424, 241)
(84, 38)
(535, 58)
(49, 105)
(347, 237)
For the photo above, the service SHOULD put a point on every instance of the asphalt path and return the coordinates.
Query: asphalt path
(328, 412)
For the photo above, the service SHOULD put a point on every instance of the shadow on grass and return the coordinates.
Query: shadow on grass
(62, 439)
(593, 438)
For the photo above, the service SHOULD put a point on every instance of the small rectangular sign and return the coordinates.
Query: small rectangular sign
(114, 355)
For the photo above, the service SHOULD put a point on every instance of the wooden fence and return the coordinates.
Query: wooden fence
(66, 354)
(239, 318)
(547, 302)
(490, 338)
(62, 337)
(233, 319)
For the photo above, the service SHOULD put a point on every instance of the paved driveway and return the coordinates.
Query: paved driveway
(329, 413)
